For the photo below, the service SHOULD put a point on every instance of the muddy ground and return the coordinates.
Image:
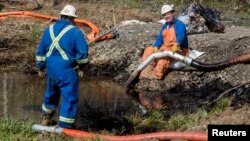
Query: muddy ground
(182, 91)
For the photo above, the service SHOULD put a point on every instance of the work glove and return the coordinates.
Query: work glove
(175, 48)
(41, 73)
(155, 49)
(79, 68)
(80, 73)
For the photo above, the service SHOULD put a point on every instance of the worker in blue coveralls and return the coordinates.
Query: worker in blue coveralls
(62, 48)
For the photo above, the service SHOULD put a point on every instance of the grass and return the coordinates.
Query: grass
(240, 8)
(155, 120)
(179, 121)
(221, 106)
(30, 32)
(35, 33)
(12, 130)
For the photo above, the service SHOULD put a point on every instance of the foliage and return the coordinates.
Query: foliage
(155, 120)
(15, 130)
(221, 106)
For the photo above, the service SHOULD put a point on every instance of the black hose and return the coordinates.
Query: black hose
(220, 65)
(208, 67)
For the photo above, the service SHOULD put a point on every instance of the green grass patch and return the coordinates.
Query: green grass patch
(30, 32)
(12, 130)
(155, 120)
(21, 130)
(184, 122)
(220, 106)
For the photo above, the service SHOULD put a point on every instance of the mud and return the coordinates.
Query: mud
(181, 91)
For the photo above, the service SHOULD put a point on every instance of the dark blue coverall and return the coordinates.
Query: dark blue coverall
(62, 47)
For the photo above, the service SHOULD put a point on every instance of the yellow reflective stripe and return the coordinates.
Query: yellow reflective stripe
(40, 58)
(56, 40)
(46, 110)
(51, 47)
(82, 61)
(68, 120)
(64, 56)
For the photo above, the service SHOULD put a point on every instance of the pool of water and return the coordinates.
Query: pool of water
(21, 96)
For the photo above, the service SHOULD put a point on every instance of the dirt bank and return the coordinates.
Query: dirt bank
(190, 87)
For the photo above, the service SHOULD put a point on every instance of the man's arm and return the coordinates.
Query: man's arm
(82, 52)
(81, 48)
(181, 34)
(41, 54)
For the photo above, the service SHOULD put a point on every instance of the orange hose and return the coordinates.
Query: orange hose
(190, 136)
(95, 29)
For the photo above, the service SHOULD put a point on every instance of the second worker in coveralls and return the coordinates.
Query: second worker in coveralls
(62, 47)
(172, 37)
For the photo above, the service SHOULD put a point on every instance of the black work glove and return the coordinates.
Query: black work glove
(80, 69)
(41, 73)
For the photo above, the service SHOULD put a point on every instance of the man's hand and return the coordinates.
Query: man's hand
(155, 49)
(175, 48)
(80, 73)
(41, 73)
(80, 69)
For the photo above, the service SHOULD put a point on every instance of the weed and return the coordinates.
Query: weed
(221, 106)
(15, 130)
(155, 120)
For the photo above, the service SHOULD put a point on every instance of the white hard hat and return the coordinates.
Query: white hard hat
(69, 10)
(166, 8)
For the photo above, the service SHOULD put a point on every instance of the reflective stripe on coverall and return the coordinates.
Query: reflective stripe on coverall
(60, 53)
(169, 37)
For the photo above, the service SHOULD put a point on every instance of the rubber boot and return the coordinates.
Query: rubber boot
(47, 121)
